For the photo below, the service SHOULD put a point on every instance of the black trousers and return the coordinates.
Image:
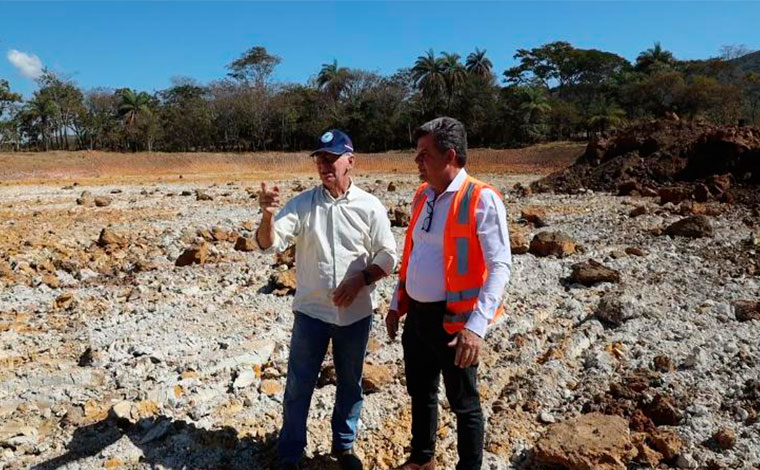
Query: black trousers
(427, 356)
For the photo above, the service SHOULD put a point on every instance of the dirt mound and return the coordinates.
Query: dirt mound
(662, 153)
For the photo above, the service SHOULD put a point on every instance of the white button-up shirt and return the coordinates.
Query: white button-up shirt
(334, 238)
(425, 277)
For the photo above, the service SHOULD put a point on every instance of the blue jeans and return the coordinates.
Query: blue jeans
(308, 345)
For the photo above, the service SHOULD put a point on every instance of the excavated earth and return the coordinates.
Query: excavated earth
(138, 332)
(704, 161)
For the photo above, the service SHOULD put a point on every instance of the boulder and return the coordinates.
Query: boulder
(747, 310)
(245, 244)
(287, 257)
(400, 217)
(637, 211)
(221, 234)
(552, 243)
(696, 226)
(674, 194)
(194, 255)
(201, 195)
(270, 387)
(666, 443)
(590, 442)
(109, 238)
(102, 201)
(534, 215)
(591, 272)
(518, 240)
(662, 411)
(616, 308)
(284, 282)
(632, 250)
(724, 438)
(375, 377)
(86, 199)
(663, 363)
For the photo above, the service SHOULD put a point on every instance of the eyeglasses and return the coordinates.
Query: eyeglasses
(428, 221)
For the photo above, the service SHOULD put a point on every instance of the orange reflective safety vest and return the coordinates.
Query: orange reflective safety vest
(464, 266)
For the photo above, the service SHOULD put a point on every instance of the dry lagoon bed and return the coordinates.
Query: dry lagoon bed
(113, 357)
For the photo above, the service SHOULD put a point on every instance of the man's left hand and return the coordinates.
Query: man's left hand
(346, 292)
(468, 348)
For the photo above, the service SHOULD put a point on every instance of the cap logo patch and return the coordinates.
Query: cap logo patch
(326, 137)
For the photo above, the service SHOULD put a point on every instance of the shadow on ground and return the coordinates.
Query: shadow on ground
(179, 445)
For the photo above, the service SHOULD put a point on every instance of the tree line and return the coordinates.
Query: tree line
(555, 92)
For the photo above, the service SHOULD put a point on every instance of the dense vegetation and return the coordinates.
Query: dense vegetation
(555, 92)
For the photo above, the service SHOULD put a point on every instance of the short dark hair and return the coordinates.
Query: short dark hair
(448, 133)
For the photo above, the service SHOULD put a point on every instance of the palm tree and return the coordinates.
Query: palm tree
(332, 78)
(478, 64)
(134, 107)
(454, 74)
(428, 74)
(603, 115)
(534, 104)
(533, 107)
(652, 56)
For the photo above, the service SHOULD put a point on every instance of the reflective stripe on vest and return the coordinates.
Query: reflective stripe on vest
(457, 318)
(463, 217)
(467, 294)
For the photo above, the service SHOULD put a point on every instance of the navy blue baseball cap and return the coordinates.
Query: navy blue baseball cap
(335, 142)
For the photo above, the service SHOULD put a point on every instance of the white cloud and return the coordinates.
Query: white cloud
(29, 65)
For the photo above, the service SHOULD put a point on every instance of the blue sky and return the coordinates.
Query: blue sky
(143, 45)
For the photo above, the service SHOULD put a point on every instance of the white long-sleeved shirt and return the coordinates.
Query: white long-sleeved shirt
(334, 238)
(425, 277)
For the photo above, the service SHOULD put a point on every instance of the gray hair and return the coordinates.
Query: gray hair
(448, 133)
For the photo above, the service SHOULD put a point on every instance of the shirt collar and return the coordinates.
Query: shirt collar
(349, 195)
(453, 187)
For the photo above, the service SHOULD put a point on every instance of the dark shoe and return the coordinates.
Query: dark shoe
(347, 460)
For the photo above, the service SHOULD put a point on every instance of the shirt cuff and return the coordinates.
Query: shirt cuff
(394, 299)
(384, 261)
(477, 323)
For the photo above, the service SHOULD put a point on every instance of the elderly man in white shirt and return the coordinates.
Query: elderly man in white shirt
(343, 246)
(455, 267)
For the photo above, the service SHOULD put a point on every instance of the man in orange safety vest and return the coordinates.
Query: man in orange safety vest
(456, 264)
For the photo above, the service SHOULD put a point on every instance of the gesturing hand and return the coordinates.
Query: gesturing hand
(346, 292)
(269, 199)
(468, 348)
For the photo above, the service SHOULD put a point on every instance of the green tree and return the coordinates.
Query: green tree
(604, 115)
(534, 107)
(654, 58)
(751, 93)
(332, 79)
(478, 64)
(454, 74)
(66, 100)
(428, 73)
(137, 117)
(8, 104)
(255, 66)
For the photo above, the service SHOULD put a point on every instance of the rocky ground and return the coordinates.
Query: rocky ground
(138, 332)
